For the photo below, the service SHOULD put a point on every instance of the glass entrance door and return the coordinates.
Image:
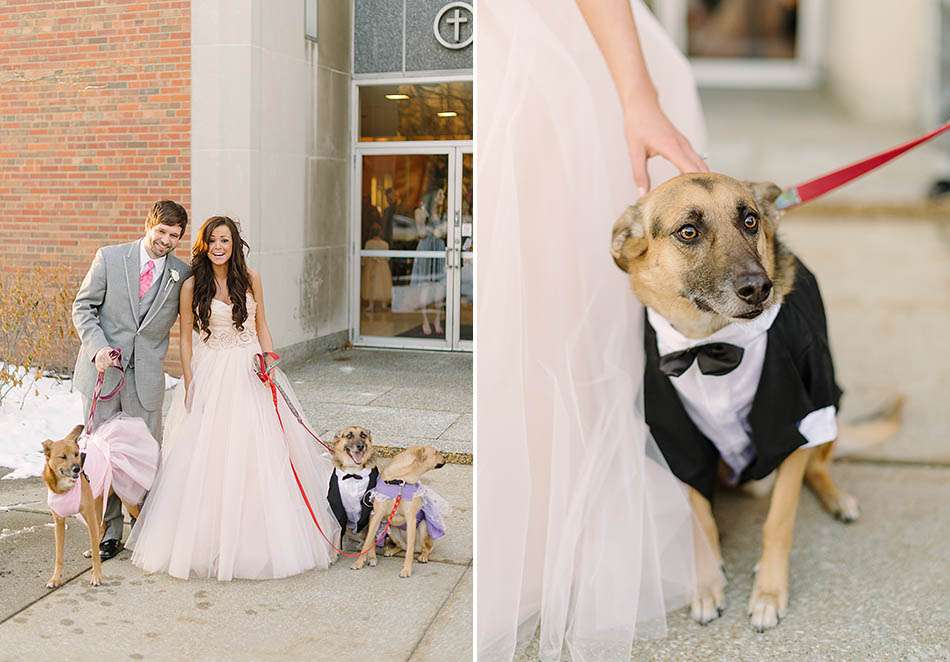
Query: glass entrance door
(414, 281)
(464, 246)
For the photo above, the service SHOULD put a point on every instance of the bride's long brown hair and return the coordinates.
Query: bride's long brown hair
(239, 281)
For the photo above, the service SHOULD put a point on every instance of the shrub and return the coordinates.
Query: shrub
(37, 338)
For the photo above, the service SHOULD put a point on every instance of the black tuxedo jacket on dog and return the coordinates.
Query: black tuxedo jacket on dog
(336, 502)
(798, 377)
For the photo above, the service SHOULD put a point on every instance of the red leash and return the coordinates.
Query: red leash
(814, 188)
(263, 373)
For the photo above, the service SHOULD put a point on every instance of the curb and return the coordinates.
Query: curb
(450, 457)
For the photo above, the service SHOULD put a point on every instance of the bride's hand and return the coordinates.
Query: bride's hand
(188, 396)
(650, 133)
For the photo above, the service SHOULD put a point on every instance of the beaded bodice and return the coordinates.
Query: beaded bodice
(223, 333)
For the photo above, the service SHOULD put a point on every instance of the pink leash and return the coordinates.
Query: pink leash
(814, 188)
(116, 356)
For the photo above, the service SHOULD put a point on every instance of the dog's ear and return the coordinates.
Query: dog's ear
(629, 237)
(47, 448)
(765, 194)
(74, 433)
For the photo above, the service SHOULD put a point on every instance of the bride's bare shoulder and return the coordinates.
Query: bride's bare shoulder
(257, 287)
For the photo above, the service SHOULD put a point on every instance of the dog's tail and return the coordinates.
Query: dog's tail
(871, 430)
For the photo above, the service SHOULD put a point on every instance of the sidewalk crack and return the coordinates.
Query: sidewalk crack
(45, 595)
(438, 611)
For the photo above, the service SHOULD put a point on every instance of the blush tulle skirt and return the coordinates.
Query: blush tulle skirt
(225, 503)
(584, 537)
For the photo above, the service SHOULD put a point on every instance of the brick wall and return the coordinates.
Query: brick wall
(94, 124)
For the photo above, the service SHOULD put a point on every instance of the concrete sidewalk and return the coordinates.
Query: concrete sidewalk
(874, 590)
(404, 397)
(789, 137)
(338, 614)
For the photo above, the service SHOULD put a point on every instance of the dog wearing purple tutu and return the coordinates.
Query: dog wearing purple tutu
(418, 518)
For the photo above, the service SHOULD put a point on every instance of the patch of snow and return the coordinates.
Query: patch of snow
(49, 415)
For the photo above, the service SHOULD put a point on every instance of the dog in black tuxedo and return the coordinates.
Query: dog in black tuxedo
(739, 380)
(354, 475)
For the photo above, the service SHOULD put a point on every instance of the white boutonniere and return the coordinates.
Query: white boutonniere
(175, 275)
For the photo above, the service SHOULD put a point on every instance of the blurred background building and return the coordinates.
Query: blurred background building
(794, 88)
(338, 134)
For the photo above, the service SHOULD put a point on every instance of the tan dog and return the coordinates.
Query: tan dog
(354, 457)
(62, 469)
(702, 251)
(405, 469)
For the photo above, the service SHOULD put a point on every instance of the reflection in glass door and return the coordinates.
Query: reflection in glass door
(403, 262)
(416, 254)
(465, 247)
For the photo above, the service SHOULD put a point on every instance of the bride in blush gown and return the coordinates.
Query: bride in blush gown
(225, 503)
(583, 533)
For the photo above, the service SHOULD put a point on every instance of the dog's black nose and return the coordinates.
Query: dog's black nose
(753, 287)
(76, 469)
(360, 446)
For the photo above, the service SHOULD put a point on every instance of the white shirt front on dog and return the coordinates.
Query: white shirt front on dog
(352, 491)
(720, 405)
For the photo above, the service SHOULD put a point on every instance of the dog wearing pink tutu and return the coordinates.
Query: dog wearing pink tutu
(81, 472)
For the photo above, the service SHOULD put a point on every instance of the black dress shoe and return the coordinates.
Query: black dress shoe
(109, 548)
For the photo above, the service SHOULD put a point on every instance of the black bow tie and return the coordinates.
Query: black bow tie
(356, 476)
(718, 358)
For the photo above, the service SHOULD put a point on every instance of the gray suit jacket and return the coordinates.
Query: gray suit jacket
(106, 314)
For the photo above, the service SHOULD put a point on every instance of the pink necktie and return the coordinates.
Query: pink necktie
(145, 279)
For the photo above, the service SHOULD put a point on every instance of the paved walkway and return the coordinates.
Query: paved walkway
(338, 614)
(791, 137)
(405, 398)
(874, 590)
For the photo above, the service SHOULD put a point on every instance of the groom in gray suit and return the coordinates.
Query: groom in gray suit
(129, 301)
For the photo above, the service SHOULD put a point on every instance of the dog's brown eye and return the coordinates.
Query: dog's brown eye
(349, 435)
(687, 233)
(750, 222)
(363, 435)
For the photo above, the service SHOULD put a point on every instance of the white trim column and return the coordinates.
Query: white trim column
(270, 148)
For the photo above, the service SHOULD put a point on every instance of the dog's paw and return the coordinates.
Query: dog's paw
(389, 551)
(95, 580)
(372, 562)
(708, 605)
(766, 609)
(358, 565)
(847, 510)
(405, 572)
(423, 558)
(54, 582)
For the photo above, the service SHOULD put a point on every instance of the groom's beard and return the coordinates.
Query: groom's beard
(161, 250)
